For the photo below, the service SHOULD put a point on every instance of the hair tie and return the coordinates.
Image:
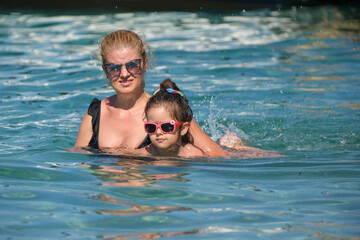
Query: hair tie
(156, 91)
(170, 90)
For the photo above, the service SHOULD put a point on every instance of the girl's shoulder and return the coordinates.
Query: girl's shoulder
(149, 149)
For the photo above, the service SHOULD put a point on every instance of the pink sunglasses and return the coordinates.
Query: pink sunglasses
(166, 127)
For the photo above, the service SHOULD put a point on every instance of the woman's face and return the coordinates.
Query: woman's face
(124, 70)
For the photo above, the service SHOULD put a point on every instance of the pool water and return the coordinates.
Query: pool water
(285, 80)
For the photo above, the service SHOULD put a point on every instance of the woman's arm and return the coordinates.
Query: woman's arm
(204, 142)
(85, 132)
(191, 151)
(231, 140)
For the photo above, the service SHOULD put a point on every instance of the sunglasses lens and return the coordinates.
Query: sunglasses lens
(113, 70)
(167, 127)
(150, 128)
(134, 66)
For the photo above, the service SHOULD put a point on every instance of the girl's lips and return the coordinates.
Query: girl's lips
(160, 140)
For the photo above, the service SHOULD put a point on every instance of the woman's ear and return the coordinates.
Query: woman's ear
(105, 72)
(145, 62)
(184, 128)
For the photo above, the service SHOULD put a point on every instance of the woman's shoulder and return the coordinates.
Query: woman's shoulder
(190, 150)
(109, 99)
(95, 102)
(94, 107)
(108, 102)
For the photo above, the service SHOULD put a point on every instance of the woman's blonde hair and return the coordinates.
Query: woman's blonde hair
(123, 39)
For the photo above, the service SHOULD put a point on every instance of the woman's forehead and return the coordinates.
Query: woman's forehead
(124, 54)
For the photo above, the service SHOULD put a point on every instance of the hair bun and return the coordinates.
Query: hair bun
(168, 83)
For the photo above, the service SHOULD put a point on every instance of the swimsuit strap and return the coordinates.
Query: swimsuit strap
(145, 142)
(94, 112)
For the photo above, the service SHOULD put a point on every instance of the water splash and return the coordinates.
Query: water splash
(214, 126)
(212, 120)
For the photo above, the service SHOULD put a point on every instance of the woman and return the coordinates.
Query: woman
(117, 121)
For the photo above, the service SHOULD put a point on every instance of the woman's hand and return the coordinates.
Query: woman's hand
(231, 140)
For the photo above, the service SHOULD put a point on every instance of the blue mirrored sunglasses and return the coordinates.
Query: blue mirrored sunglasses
(114, 70)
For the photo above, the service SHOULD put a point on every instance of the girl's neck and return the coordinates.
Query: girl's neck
(171, 152)
(168, 152)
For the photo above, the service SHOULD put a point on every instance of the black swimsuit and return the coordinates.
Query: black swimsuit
(94, 112)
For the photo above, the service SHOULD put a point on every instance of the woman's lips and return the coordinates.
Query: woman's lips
(125, 83)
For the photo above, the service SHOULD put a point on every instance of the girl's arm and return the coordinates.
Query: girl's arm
(85, 132)
(204, 142)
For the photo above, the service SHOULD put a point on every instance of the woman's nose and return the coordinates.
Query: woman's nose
(124, 72)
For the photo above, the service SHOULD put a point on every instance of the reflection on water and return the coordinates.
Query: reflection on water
(354, 106)
(133, 209)
(129, 172)
(149, 236)
(335, 25)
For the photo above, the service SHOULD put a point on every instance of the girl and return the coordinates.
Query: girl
(168, 122)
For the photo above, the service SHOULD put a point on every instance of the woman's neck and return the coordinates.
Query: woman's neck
(128, 101)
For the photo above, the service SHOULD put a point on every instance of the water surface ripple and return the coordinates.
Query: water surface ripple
(285, 80)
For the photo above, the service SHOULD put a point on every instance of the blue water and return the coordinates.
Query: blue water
(286, 80)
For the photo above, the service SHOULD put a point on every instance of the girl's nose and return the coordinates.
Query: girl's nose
(158, 131)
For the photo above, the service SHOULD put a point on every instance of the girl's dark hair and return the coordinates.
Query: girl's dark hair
(177, 105)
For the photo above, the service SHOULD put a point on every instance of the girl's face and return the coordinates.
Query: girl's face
(122, 63)
(165, 141)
